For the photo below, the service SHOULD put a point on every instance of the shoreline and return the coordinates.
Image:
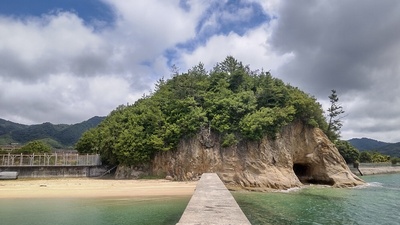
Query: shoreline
(110, 188)
(92, 188)
(375, 170)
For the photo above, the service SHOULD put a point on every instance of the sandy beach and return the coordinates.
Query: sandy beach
(91, 188)
(95, 188)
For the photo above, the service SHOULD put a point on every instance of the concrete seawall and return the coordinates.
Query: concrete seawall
(212, 203)
(55, 171)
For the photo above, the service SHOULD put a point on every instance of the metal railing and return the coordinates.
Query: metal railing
(64, 159)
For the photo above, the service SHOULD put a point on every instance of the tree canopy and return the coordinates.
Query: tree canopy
(35, 147)
(230, 100)
(334, 117)
(349, 153)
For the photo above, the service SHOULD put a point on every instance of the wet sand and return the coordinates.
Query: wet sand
(92, 188)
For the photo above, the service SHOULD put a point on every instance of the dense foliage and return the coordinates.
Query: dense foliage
(373, 157)
(352, 155)
(349, 153)
(231, 100)
(395, 160)
(35, 147)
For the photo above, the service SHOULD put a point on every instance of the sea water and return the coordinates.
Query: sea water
(89, 211)
(377, 202)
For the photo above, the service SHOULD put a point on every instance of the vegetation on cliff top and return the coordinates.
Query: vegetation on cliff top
(231, 100)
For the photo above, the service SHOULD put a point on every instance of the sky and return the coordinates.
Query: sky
(65, 61)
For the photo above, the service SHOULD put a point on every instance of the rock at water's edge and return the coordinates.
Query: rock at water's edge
(298, 155)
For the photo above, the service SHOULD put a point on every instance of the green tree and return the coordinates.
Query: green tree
(88, 143)
(365, 157)
(378, 157)
(265, 121)
(35, 147)
(373, 157)
(307, 108)
(334, 117)
(349, 153)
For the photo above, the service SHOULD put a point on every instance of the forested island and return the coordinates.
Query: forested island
(231, 99)
(227, 109)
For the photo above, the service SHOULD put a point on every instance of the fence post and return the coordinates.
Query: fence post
(12, 160)
(48, 159)
(32, 159)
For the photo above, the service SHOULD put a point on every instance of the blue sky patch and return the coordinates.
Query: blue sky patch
(88, 10)
(221, 19)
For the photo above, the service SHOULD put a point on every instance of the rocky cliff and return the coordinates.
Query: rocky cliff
(297, 156)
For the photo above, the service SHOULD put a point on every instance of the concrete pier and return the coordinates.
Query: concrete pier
(212, 203)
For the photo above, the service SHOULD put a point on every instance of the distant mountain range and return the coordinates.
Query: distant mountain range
(367, 144)
(58, 136)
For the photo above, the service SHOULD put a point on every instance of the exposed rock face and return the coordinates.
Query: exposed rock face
(131, 172)
(298, 155)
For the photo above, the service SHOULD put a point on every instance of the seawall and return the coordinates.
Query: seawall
(212, 203)
(56, 171)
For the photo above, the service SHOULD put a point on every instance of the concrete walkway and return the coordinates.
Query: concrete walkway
(212, 203)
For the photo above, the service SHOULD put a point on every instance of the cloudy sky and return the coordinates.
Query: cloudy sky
(66, 61)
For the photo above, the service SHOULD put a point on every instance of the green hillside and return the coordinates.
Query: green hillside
(367, 144)
(6, 127)
(390, 149)
(58, 136)
(231, 100)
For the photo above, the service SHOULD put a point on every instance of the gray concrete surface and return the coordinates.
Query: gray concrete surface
(212, 203)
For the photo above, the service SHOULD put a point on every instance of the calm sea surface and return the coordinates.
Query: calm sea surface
(378, 202)
(167, 210)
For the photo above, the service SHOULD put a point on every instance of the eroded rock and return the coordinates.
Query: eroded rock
(298, 155)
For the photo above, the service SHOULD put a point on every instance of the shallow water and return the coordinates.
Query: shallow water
(160, 210)
(378, 202)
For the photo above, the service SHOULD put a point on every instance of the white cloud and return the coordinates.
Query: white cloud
(270, 7)
(147, 28)
(252, 48)
(34, 48)
(63, 98)
(58, 68)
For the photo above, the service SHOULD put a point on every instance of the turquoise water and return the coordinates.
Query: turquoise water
(378, 202)
(167, 210)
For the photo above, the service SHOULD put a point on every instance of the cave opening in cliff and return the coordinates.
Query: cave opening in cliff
(304, 172)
